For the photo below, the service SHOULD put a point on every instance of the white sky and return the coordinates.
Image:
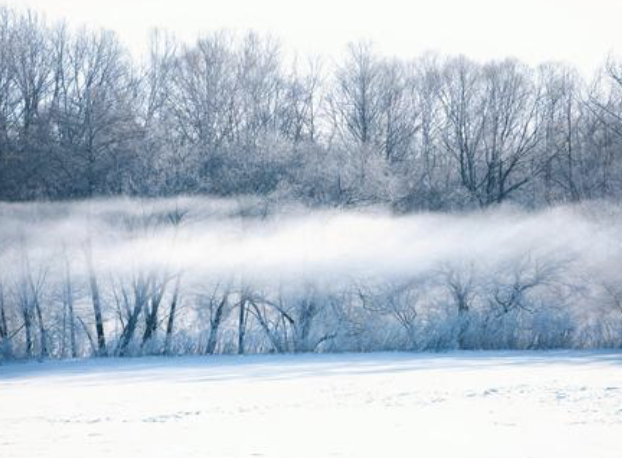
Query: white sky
(581, 32)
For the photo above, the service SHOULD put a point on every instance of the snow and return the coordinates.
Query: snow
(467, 404)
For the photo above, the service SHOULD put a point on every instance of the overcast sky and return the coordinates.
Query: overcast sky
(582, 32)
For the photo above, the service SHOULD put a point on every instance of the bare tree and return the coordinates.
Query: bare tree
(5, 331)
(133, 299)
(94, 113)
(460, 282)
(30, 288)
(96, 301)
(68, 309)
(291, 320)
(170, 323)
(152, 310)
(399, 300)
(509, 291)
(218, 306)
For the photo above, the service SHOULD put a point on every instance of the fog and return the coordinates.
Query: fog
(205, 237)
(563, 261)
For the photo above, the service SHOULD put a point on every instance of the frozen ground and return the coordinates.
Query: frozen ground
(493, 404)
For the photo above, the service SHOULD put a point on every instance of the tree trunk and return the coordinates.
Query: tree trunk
(241, 326)
(151, 318)
(171, 319)
(215, 322)
(463, 322)
(97, 309)
(130, 327)
(4, 330)
(27, 329)
(42, 331)
(72, 322)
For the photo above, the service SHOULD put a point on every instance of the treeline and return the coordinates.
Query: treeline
(230, 116)
(190, 276)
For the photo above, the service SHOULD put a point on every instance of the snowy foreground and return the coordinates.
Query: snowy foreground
(491, 404)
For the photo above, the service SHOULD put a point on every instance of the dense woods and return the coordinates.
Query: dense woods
(233, 115)
(153, 164)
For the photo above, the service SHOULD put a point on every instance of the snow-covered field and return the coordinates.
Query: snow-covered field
(488, 404)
